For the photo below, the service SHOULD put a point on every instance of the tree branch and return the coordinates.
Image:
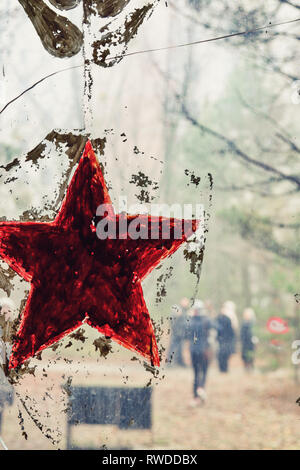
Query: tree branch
(235, 149)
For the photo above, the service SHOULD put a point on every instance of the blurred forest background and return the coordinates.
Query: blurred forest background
(225, 111)
(247, 138)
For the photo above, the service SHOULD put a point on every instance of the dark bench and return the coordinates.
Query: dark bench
(127, 408)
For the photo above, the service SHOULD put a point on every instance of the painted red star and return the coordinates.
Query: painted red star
(77, 278)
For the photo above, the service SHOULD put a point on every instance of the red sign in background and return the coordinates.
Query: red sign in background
(277, 325)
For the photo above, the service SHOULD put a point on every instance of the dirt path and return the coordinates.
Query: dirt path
(242, 412)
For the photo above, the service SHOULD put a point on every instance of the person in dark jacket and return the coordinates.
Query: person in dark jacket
(246, 335)
(200, 326)
(185, 307)
(226, 338)
(178, 328)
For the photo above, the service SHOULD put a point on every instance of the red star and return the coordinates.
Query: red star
(76, 277)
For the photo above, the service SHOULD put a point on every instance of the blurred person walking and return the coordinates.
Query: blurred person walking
(227, 325)
(185, 307)
(200, 326)
(247, 339)
(230, 309)
(178, 330)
